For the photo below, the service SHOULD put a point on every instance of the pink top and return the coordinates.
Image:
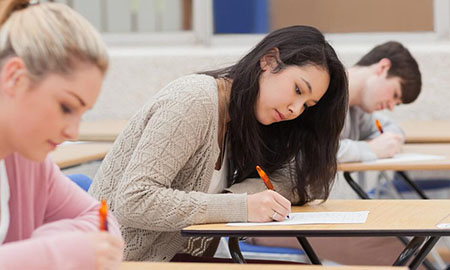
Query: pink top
(48, 215)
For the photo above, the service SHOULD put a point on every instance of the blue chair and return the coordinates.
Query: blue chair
(272, 253)
(81, 180)
(427, 185)
(424, 184)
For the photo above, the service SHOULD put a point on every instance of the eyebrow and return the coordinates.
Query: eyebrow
(307, 84)
(309, 88)
(78, 98)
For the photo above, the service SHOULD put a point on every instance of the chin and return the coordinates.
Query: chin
(37, 156)
(368, 110)
(265, 123)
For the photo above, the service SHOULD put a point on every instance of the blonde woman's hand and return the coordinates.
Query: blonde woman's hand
(267, 206)
(108, 250)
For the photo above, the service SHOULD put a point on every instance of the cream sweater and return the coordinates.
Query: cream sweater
(156, 176)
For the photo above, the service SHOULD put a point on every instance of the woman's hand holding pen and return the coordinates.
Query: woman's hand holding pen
(267, 206)
(108, 250)
(386, 145)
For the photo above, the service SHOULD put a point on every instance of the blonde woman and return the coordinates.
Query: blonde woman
(52, 64)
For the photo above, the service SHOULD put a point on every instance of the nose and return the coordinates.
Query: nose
(70, 132)
(296, 108)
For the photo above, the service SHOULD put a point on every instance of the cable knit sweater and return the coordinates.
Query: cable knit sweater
(156, 174)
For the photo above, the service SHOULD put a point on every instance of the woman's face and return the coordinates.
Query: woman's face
(44, 114)
(286, 94)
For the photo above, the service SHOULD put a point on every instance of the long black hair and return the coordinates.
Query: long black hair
(307, 145)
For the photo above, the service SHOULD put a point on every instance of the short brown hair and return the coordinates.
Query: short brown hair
(403, 65)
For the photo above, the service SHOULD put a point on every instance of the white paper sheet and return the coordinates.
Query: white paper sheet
(444, 225)
(314, 218)
(406, 157)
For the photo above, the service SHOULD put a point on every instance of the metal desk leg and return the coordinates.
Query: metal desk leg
(362, 194)
(409, 251)
(426, 263)
(309, 250)
(423, 252)
(413, 185)
(235, 251)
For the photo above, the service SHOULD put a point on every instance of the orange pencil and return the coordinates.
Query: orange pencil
(103, 215)
(380, 129)
(264, 177)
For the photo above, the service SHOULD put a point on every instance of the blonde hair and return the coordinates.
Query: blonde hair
(49, 37)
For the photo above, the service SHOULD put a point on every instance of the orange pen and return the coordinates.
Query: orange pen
(103, 215)
(380, 129)
(264, 177)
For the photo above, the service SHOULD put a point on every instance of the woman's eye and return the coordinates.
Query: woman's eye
(306, 106)
(297, 90)
(65, 109)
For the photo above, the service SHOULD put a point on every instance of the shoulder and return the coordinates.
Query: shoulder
(355, 110)
(196, 81)
(357, 113)
(26, 167)
(188, 96)
(26, 174)
(196, 87)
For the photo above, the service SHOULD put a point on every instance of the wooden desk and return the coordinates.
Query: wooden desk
(427, 131)
(400, 167)
(227, 266)
(386, 218)
(432, 149)
(101, 130)
(67, 155)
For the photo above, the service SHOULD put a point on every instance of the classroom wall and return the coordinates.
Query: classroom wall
(136, 74)
(344, 16)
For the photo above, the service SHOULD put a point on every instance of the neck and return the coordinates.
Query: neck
(5, 127)
(357, 77)
(5, 148)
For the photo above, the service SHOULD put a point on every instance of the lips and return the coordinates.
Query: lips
(53, 144)
(279, 116)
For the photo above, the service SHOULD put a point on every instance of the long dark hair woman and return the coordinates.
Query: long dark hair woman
(281, 107)
(311, 139)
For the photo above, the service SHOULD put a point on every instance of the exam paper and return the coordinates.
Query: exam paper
(314, 218)
(404, 157)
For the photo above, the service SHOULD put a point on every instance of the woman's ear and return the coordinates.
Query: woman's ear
(11, 73)
(270, 60)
